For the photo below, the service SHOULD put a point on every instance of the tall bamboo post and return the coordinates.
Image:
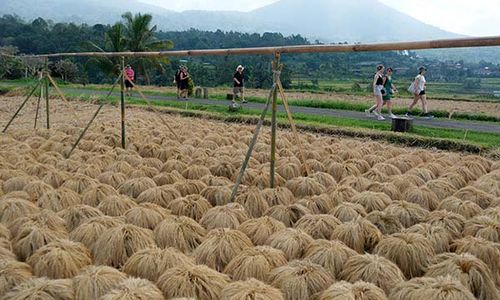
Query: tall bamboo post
(122, 101)
(276, 74)
(38, 106)
(46, 87)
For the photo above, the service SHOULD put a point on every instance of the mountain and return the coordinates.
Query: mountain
(324, 20)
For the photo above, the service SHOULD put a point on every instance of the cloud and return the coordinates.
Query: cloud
(239, 5)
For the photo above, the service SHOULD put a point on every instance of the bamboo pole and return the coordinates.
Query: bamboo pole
(21, 107)
(38, 107)
(276, 75)
(418, 45)
(46, 85)
(54, 84)
(122, 101)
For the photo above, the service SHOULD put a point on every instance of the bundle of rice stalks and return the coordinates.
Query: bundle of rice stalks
(325, 179)
(211, 180)
(470, 271)
(342, 194)
(375, 175)
(348, 211)
(189, 187)
(256, 262)
(116, 205)
(79, 183)
(12, 273)
(173, 165)
(150, 263)
(198, 282)
(293, 242)
(278, 196)
(16, 183)
(387, 188)
(13, 208)
(425, 174)
(4, 232)
(162, 195)
(88, 232)
(452, 222)
(454, 179)
(331, 255)
(42, 288)
(373, 159)
(409, 251)
(361, 164)
(90, 170)
(146, 215)
(466, 209)
(220, 247)
(167, 178)
(59, 199)
(440, 288)
(387, 224)
(250, 289)
(407, 213)
(217, 195)
(36, 189)
(305, 186)
(373, 269)
(119, 167)
(59, 259)
(300, 279)
(287, 214)
(54, 178)
(181, 233)
(372, 201)
(314, 165)
(340, 171)
(475, 195)
(259, 230)
(227, 216)
(192, 206)
(117, 244)
(441, 187)
(318, 226)
(288, 170)
(195, 172)
(95, 194)
(112, 178)
(358, 183)
(422, 196)
(359, 234)
(253, 201)
(483, 227)
(466, 173)
(387, 169)
(224, 169)
(94, 281)
(321, 204)
(405, 181)
(134, 187)
(134, 289)
(439, 237)
(359, 291)
(76, 215)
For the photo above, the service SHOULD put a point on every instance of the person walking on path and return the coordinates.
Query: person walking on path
(177, 81)
(129, 79)
(184, 82)
(418, 89)
(390, 89)
(378, 92)
(238, 84)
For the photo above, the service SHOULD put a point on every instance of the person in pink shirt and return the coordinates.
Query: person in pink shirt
(129, 79)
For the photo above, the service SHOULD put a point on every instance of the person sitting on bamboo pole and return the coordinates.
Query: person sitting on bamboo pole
(238, 84)
(129, 79)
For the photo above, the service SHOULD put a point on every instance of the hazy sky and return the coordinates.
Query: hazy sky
(471, 17)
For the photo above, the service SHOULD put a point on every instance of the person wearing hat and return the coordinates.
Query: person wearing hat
(129, 79)
(419, 93)
(238, 84)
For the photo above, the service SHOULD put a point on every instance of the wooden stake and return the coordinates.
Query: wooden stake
(276, 75)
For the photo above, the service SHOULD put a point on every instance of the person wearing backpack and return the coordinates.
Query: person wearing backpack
(418, 89)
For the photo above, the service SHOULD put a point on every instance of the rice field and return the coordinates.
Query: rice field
(153, 221)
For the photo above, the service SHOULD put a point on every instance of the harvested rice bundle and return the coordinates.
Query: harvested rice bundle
(347, 211)
(305, 186)
(13, 273)
(475, 195)
(300, 279)
(331, 255)
(253, 201)
(361, 164)
(211, 180)
(79, 183)
(373, 269)
(374, 159)
(470, 271)
(261, 179)
(59, 199)
(407, 213)
(409, 251)
(422, 196)
(375, 175)
(189, 187)
(16, 183)
(465, 172)
(278, 196)
(372, 201)
(146, 215)
(36, 189)
(31, 237)
(220, 247)
(467, 209)
(321, 204)
(217, 195)
(13, 208)
(440, 288)
(173, 165)
(358, 183)
(97, 193)
(54, 178)
(359, 234)
(59, 259)
(439, 237)
(42, 288)
(288, 170)
(224, 169)
(492, 212)
(387, 169)
(90, 170)
(318, 226)
(4, 232)
(195, 172)
(150, 263)
(488, 185)
(425, 174)
(117, 244)
(388, 188)
(325, 179)
(259, 230)
(287, 214)
(112, 178)
(134, 289)
(455, 179)
(313, 164)
(256, 262)
(404, 164)
(452, 222)
(227, 216)
(250, 289)
(152, 163)
(198, 282)
(181, 233)
(358, 291)
(45, 218)
(76, 215)
(88, 232)
(192, 206)
(342, 193)
(94, 281)
(161, 195)
(483, 227)
(116, 205)
(293, 242)
(441, 187)
(134, 187)
(167, 178)
(387, 224)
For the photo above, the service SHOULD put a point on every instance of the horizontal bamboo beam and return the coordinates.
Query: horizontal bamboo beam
(431, 44)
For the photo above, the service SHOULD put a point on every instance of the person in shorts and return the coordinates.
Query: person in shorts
(184, 83)
(239, 84)
(378, 92)
(129, 79)
(418, 88)
(390, 89)
(177, 81)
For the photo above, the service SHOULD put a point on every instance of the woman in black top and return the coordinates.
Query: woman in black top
(238, 84)
(184, 82)
(378, 92)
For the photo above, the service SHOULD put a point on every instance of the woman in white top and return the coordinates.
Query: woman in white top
(419, 93)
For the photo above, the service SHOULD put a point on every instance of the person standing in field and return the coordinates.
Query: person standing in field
(129, 79)
(418, 88)
(378, 92)
(184, 82)
(177, 81)
(390, 89)
(238, 84)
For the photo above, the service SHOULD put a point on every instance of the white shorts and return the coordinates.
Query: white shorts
(377, 90)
